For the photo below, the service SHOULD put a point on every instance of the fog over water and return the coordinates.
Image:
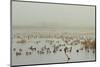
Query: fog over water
(52, 15)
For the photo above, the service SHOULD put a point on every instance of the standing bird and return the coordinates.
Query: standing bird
(65, 51)
(33, 49)
(18, 53)
(28, 53)
(48, 51)
(20, 50)
(14, 49)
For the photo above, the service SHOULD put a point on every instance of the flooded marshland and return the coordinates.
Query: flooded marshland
(37, 46)
(51, 33)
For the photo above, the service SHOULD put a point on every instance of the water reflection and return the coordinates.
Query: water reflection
(47, 43)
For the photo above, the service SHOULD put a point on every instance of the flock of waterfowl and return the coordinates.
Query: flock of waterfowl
(46, 43)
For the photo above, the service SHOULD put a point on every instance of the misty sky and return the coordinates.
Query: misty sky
(52, 15)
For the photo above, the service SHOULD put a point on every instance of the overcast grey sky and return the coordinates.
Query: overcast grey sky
(52, 15)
